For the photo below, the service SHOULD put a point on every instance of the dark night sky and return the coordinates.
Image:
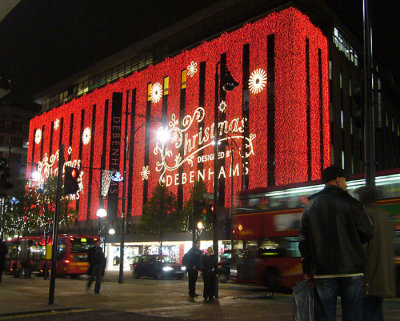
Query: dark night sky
(44, 41)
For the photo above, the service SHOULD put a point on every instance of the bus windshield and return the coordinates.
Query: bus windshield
(81, 244)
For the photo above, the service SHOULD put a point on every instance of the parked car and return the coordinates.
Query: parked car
(133, 260)
(158, 267)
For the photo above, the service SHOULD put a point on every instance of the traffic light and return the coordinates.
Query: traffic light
(211, 213)
(200, 217)
(203, 216)
(71, 185)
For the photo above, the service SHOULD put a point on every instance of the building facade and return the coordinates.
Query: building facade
(297, 108)
(14, 133)
(275, 123)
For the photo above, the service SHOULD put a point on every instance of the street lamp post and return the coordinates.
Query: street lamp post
(369, 126)
(231, 209)
(55, 227)
(122, 243)
(101, 214)
(223, 81)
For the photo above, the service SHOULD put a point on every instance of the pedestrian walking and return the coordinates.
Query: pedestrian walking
(96, 266)
(193, 266)
(334, 227)
(3, 253)
(379, 279)
(210, 263)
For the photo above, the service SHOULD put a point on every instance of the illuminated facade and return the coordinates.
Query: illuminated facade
(276, 122)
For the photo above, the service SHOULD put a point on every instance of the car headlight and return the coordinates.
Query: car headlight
(167, 268)
(183, 268)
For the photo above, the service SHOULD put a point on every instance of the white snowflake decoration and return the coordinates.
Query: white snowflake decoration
(257, 81)
(145, 172)
(38, 136)
(56, 124)
(222, 106)
(87, 134)
(69, 150)
(156, 92)
(191, 69)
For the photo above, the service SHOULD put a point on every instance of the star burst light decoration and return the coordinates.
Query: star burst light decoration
(156, 92)
(222, 106)
(257, 81)
(192, 68)
(145, 173)
(87, 134)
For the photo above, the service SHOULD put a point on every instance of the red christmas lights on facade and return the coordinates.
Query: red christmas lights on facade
(281, 107)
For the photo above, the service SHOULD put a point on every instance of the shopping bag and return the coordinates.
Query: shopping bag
(303, 301)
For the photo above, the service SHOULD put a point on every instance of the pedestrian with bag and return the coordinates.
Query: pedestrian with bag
(379, 279)
(193, 264)
(334, 227)
(210, 264)
(96, 266)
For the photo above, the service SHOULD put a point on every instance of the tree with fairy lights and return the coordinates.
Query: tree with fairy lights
(43, 211)
(32, 210)
(16, 205)
(160, 215)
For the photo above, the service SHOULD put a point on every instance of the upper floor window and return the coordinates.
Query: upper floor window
(344, 46)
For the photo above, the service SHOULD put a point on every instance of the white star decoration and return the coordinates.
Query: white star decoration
(69, 150)
(156, 92)
(38, 136)
(87, 134)
(56, 124)
(222, 106)
(191, 69)
(257, 81)
(145, 173)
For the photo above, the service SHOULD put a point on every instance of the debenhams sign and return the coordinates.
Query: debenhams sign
(171, 158)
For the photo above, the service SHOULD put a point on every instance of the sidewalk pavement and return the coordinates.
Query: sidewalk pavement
(161, 298)
(158, 298)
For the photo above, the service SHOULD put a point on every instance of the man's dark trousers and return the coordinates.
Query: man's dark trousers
(328, 289)
(192, 274)
(96, 273)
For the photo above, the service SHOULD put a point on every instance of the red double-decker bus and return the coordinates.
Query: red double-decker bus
(31, 254)
(266, 229)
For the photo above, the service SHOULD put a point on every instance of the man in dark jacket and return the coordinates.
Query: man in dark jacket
(333, 228)
(194, 265)
(379, 281)
(97, 264)
(3, 253)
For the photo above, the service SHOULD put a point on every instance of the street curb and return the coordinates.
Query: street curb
(36, 312)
